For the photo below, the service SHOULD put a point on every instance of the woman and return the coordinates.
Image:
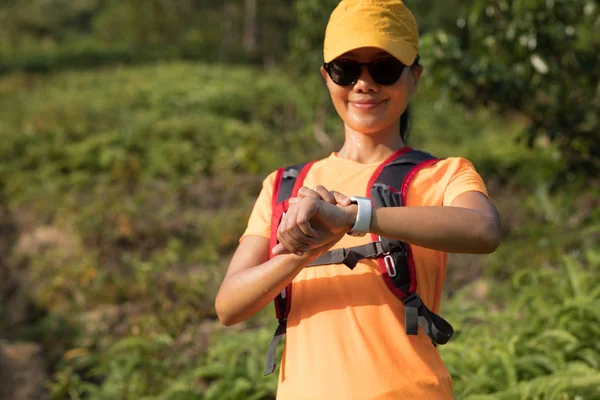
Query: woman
(345, 332)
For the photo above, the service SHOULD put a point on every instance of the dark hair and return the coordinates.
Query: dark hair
(404, 124)
(405, 117)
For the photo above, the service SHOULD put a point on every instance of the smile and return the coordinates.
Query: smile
(367, 105)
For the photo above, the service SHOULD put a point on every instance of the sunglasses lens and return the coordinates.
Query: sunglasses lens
(343, 72)
(386, 72)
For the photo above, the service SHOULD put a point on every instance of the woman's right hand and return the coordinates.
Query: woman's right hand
(313, 223)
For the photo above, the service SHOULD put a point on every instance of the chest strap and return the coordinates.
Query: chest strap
(351, 256)
(415, 311)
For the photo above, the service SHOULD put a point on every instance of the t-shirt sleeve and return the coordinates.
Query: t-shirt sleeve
(464, 178)
(259, 223)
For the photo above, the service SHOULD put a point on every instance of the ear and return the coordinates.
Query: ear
(324, 74)
(417, 70)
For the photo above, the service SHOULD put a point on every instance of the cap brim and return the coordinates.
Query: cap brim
(401, 50)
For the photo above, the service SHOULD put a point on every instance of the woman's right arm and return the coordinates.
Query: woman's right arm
(253, 281)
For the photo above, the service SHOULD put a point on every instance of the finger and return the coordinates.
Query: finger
(290, 248)
(279, 249)
(289, 235)
(308, 209)
(306, 192)
(287, 241)
(299, 232)
(293, 200)
(298, 240)
(325, 194)
(306, 228)
(340, 198)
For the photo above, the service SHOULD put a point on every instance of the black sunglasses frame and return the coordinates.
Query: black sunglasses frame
(376, 78)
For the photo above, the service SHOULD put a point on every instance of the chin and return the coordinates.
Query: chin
(367, 127)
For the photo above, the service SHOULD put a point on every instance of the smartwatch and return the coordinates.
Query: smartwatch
(362, 225)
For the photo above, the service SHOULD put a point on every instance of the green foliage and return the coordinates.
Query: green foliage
(536, 58)
(235, 364)
(49, 35)
(542, 343)
(132, 368)
(309, 32)
(143, 124)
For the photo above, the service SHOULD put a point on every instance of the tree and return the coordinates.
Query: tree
(538, 58)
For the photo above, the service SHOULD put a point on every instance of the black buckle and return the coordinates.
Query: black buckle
(408, 300)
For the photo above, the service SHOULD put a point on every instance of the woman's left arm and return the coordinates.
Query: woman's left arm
(470, 224)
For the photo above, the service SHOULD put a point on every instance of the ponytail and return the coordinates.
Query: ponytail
(405, 117)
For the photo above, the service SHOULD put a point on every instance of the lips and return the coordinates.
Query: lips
(366, 104)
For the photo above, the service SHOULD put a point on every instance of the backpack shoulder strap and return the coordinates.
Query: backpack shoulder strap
(388, 187)
(287, 183)
(398, 267)
(400, 170)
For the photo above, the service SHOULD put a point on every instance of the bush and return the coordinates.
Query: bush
(540, 343)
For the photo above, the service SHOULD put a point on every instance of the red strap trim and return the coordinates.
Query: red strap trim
(381, 166)
(276, 211)
(276, 214)
(388, 281)
(297, 185)
(300, 179)
(411, 175)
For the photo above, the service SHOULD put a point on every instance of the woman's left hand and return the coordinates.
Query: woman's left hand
(314, 218)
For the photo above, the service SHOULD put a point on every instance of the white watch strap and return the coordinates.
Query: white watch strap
(362, 225)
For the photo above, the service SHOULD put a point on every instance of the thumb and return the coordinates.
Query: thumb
(341, 199)
(279, 249)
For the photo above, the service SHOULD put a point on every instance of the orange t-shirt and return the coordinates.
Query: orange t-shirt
(345, 332)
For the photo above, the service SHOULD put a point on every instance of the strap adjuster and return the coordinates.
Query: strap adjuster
(279, 333)
(388, 260)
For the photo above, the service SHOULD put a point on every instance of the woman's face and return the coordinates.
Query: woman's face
(366, 106)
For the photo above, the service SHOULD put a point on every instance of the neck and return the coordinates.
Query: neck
(372, 147)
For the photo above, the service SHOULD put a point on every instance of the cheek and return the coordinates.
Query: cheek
(398, 102)
(339, 97)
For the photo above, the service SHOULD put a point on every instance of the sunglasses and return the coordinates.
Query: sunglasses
(385, 71)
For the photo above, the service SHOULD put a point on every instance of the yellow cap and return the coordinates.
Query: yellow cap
(386, 24)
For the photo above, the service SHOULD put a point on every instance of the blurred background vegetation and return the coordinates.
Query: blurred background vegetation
(134, 136)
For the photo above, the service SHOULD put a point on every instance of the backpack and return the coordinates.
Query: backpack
(387, 187)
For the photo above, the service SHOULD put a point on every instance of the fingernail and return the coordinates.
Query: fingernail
(298, 253)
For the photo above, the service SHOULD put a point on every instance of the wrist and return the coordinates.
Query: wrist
(351, 214)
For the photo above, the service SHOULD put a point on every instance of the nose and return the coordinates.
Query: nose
(365, 83)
